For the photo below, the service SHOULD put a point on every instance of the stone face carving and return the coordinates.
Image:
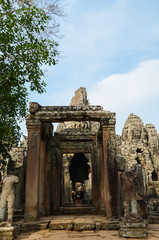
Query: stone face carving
(140, 144)
(8, 193)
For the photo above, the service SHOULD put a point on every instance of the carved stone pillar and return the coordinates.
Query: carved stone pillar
(32, 171)
(44, 188)
(105, 177)
(113, 175)
(118, 195)
(42, 178)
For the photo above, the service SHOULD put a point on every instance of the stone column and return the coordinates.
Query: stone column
(32, 169)
(45, 187)
(118, 195)
(66, 179)
(101, 178)
(113, 173)
(48, 179)
(105, 179)
(42, 178)
(95, 174)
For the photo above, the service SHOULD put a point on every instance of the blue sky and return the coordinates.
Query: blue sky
(111, 47)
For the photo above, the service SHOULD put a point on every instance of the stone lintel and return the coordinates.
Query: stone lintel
(71, 108)
(74, 116)
(85, 147)
(69, 113)
(109, 122)
(75, 135)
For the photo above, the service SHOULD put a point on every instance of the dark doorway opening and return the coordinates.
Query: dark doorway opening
(154, 176)
(77, 179)
(79, 170)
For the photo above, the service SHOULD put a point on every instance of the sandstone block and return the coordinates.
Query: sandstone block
(61, 225)
(133, 230)
(83, 224)
(7, 233)
(32, 226)
(109, 225)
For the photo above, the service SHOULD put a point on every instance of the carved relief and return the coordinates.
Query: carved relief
(34, 138)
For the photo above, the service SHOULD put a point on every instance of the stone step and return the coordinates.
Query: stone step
(70, 222)
(82, 223)
(76, 210)
(18, 214)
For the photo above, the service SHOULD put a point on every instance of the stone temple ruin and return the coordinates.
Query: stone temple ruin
(79, 167)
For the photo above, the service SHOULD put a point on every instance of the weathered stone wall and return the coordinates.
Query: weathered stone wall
(140, 144)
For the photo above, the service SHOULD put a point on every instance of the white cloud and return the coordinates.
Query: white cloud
(120, 91)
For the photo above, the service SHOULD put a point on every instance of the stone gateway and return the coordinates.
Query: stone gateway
(78, 157)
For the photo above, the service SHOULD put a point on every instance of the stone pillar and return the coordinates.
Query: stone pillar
(118, 194)
(113, 176)
(42, 178)
(88, 188)
(32, 169)
(48, 179)
(66, 180)
(95, 174)
(45, 172)
(101, 178)
(105, 179)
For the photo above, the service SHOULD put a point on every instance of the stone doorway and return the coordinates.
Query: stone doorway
(90, 130)
(77, 179)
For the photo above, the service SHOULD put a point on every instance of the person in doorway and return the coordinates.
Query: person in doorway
(73, 195)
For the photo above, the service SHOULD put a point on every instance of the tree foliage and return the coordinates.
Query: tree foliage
(24, 48)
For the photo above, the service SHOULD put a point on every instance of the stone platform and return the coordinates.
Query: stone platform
(69, 222)
(84, 235)
(83, 223)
